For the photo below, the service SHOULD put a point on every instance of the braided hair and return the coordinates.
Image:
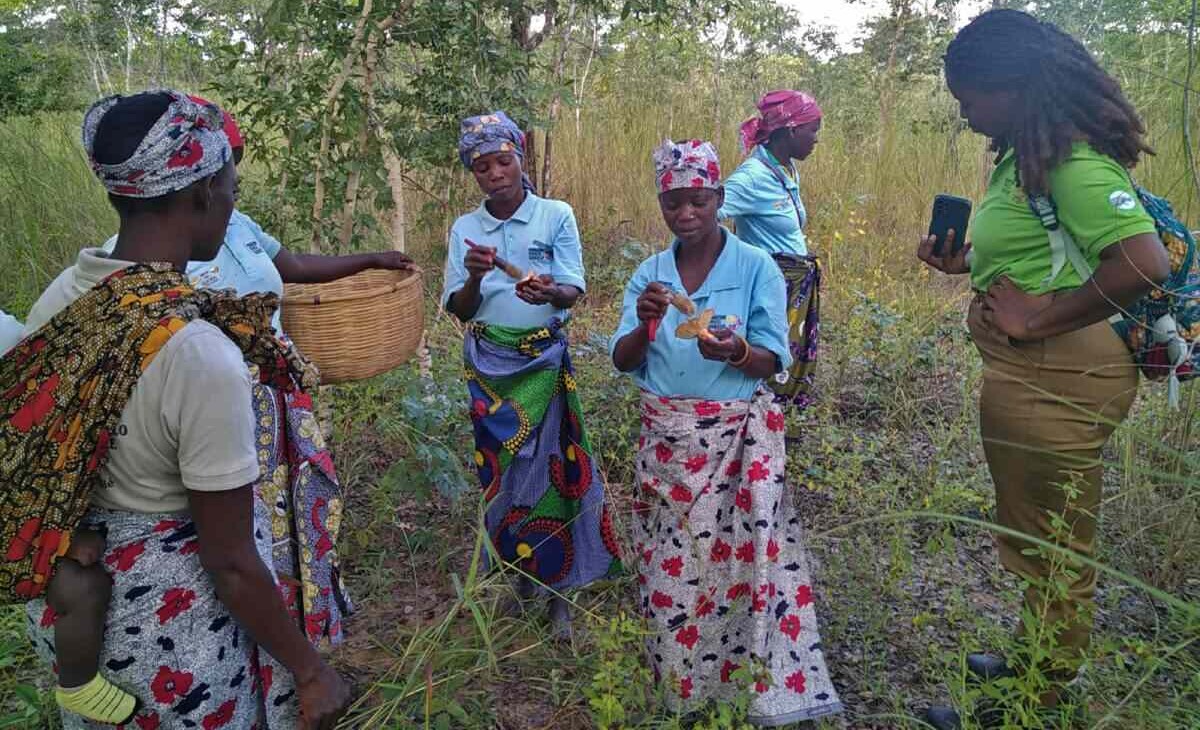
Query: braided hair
(1063, 95)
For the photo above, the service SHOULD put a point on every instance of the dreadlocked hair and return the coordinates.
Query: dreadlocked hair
(1063, 95)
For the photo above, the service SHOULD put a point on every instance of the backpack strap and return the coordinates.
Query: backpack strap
(1062, 246)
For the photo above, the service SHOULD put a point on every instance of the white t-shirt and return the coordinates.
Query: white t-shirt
(11, 332)
(189, 423)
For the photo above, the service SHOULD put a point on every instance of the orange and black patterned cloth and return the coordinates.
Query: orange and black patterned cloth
(65, 387)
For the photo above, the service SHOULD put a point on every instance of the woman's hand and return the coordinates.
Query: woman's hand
(652, 303)
(948, 263)
(323, 699)
(393, 260)
(538, 290)
(1009, 309)
(479, 261)
(721, 345)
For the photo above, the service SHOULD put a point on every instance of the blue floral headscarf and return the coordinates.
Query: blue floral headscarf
(490, 133)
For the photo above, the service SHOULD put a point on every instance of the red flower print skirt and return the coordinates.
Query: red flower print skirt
(721, 561)
(169, 641)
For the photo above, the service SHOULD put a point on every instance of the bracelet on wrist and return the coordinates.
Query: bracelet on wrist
(745, 358)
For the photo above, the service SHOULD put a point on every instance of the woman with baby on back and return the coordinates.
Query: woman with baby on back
(131, 458)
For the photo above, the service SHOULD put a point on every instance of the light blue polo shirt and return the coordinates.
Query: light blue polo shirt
(760, 207)
(541, 236)
(745, 290)
(245, 262)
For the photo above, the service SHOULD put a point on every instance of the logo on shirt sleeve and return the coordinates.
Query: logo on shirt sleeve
(1122, 200)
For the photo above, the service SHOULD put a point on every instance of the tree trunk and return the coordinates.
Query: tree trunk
(531, 166)
(901, 15)
(354, 180)
(329, 113)
(391, 161)
(92, 49)
(560, 61)
(395, 175)
(725, 46)
(581, 87)
(128, 51)
(162, 36)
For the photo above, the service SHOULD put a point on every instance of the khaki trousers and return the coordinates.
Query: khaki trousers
(1046, 410)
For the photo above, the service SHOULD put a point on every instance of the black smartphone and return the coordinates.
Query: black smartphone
(949, 212)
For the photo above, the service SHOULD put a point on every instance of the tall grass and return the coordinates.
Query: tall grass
(891, 445)
(50, 205)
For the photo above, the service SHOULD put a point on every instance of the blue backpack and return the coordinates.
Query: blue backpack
(1161, 329)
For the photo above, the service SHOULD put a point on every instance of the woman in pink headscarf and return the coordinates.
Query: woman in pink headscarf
(762, 200)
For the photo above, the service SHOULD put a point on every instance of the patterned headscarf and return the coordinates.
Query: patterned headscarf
(488, 133)
(777, 110)
(184, 146)
(228, 124)
(692, 163)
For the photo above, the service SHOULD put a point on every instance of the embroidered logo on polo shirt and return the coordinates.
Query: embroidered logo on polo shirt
(541, 254)
(721, 322)
(208, 278)
(1122, 200)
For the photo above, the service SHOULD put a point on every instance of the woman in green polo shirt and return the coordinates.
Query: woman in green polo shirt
(1057, 379)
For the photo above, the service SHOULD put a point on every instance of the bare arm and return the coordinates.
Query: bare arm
(724, 347)
(630, 352)
(465, 302)
(1127, 271)
(543, 290)
(224, 528)
(303, 268)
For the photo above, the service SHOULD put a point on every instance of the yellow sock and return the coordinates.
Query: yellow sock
(98, 700)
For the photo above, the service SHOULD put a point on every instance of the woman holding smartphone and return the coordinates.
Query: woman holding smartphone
(1057, 379)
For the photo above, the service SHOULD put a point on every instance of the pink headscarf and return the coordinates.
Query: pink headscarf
(777, 110)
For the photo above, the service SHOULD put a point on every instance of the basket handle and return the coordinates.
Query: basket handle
(317, 299)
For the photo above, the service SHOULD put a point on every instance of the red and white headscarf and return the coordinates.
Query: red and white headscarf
(186, 145)
(778, 110)
(692, 163)
(227, 123)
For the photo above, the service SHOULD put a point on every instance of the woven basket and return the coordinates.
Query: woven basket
(359, 326)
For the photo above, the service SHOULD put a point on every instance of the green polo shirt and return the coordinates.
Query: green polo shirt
(1096, 204)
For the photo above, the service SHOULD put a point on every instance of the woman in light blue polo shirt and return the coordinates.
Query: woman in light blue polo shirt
(762, 199)
(546, 513)
(720, 556)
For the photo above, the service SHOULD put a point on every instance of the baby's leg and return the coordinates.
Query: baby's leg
(79, 593)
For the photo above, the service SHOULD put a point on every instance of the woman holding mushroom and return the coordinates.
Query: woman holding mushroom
(720, 558)
(514, 269)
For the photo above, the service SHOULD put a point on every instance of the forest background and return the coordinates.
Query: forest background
(351, 109)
